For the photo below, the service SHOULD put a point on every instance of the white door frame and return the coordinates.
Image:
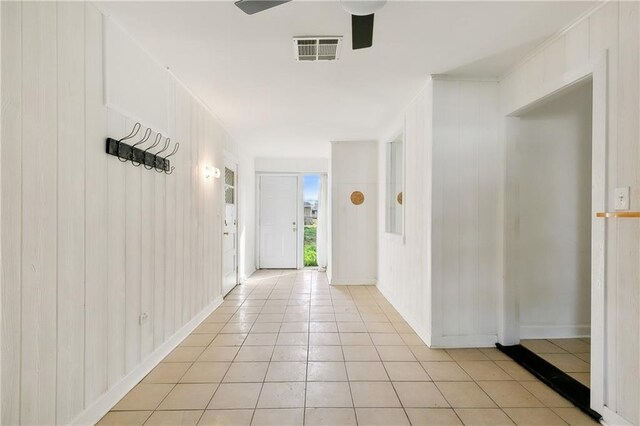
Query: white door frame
(299, 216)
(230, 158)
(509, 322)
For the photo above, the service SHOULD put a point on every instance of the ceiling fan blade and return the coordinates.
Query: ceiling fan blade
(361, 31)
(254, 6)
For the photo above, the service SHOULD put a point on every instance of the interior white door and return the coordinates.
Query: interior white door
(278, 221)
(230, 230)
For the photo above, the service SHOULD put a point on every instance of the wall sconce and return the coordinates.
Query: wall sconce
(211, 171)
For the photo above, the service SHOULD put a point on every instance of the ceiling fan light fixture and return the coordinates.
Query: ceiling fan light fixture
(362, 7)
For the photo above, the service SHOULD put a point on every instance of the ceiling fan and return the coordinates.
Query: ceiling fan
(361, 16)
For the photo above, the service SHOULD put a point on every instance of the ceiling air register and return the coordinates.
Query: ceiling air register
(309, 49)
(361, 11)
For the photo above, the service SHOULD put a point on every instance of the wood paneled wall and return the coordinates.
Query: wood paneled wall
(292, 165)
(354, 238)
(90, 243)
(404, 266)
(443, 277)
(465, 217)
(614, 28)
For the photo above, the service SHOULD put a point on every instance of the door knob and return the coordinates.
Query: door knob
(226, 233)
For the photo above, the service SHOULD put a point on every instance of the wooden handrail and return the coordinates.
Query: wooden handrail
(624, 215)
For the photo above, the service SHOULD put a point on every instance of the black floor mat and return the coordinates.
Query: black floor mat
(577, 393)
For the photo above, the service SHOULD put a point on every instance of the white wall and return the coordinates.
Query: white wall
(404, 264)
(465, 214)
(354, 167)
(552, 209)
(614, 28)
(443, 279)
(292, 165)
(88, 243)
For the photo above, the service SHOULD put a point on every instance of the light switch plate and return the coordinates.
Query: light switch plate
(622, 198)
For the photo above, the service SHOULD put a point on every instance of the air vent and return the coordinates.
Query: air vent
(309, 49)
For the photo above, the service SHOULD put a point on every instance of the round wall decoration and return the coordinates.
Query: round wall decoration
(357, 198)
(399, 198)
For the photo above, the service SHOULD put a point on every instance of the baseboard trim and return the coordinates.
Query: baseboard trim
(467, 341)
(358, 281)
(611, 418)
(470, 341)
(554, 331)
(422, 333)
(244, 277)
(92, 414)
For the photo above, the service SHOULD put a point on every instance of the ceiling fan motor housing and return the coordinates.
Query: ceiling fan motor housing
(362, 7)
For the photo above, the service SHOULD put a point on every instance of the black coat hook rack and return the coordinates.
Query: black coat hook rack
(137, 156)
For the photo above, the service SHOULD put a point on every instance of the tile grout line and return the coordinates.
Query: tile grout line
(395, 391)
(306, 370)
(364, 305)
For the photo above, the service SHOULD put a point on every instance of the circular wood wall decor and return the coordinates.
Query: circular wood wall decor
(399, 198)
(357, 198)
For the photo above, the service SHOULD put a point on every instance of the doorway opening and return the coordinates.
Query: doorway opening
(549, 237)
(310, 196)
(554, 243)
(230, 226)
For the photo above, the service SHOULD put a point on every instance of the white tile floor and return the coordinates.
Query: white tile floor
(287, 349)
(573, 356)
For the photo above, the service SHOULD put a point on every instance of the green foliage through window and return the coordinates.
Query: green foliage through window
(310, 256)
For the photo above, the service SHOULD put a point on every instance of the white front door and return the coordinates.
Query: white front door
(229, 229)
(278, 221)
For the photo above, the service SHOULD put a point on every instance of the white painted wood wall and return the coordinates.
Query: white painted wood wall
(354, 237)
(468, 222)
(292, 165)
(404, 266)
(443, 278)
(615, 27)
(88, 243)
(465, 212)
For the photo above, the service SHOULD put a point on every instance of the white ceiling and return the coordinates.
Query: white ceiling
(242, 66)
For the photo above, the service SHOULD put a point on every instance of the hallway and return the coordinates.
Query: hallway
(478, 186)
(286, 348)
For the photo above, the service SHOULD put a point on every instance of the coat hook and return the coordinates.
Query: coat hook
(147, 135)
(175, 149)
(144, 155)
(134, 131)
(155, 156)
